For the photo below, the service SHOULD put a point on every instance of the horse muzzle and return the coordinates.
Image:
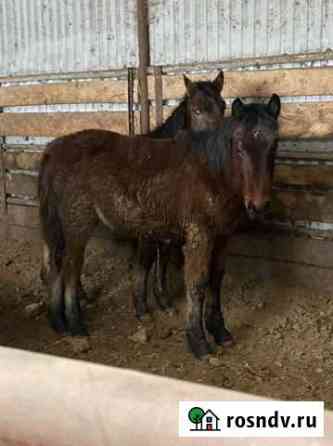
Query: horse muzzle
(254, 210)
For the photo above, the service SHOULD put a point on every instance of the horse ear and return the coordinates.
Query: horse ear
(219, 81)
(274, 106)
(237, 108)
(188, 84)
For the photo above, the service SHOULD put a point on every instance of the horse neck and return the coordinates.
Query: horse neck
(230, 171)
(178, 120)
(217, 147)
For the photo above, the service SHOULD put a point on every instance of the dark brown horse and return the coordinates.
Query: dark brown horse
(201, 108)
(191, 189)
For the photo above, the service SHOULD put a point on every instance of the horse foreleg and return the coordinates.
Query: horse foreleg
(214, 318)
(145, 260)
(197, 252)
(160, 276)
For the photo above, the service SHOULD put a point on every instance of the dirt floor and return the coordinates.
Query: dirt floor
(284, 331)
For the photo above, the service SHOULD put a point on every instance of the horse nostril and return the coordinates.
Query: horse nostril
(250, 209)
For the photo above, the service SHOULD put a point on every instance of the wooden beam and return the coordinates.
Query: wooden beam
(253, 62)
(158, 84)
(21, 184)
(57, 124)
(303, 120)
(287, 82)
(74, 92)
(306, 120)
(143, 41)
(314, 176)
(23, 216)
(293, 205)
(23, 160)
(300, 120)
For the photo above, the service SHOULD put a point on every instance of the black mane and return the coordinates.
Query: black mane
(175, 122)
(214, 144)
(178, 120)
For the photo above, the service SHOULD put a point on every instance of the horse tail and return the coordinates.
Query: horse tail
(50, 221)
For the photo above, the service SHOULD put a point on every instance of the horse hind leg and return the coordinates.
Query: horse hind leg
(46, 263)
(71, 274)
(56, 304)
(51, 277)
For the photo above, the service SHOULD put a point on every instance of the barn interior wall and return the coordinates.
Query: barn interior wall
(72, 44)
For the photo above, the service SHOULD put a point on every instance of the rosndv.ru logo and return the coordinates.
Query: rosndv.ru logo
(251, 419)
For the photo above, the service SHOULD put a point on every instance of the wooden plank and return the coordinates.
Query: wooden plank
(306, 120)
(287, 206)
(57, 124)
(290, 82)
(320, 175)
(74, 92)
(22, 160)
(310, 156)
(315, 176)
(23, 216)
(306, 145)
(20, 184)
(302, 205)
(253, 62)
(300, 120)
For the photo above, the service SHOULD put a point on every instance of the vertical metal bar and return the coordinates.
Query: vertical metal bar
(130, 96)
(158, 95)
(3, 191)
(143, 41)
(3, 177)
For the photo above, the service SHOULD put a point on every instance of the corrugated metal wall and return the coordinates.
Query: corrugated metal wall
(52, 36)
(188, 31)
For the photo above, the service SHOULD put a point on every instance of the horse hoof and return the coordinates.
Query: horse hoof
(78, 329)
(82, 294)
(170, 311)
(57, 324)
(225, 339)
(198, 348)
(220, 334)
(146, 317)
(228, 342)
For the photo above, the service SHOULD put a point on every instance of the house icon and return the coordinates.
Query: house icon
(207, 422)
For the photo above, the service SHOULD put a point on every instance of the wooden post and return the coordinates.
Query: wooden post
(158, 95)
(131, 123)
(143, 41)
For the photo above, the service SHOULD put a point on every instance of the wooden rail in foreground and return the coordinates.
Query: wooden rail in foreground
(46, 400)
